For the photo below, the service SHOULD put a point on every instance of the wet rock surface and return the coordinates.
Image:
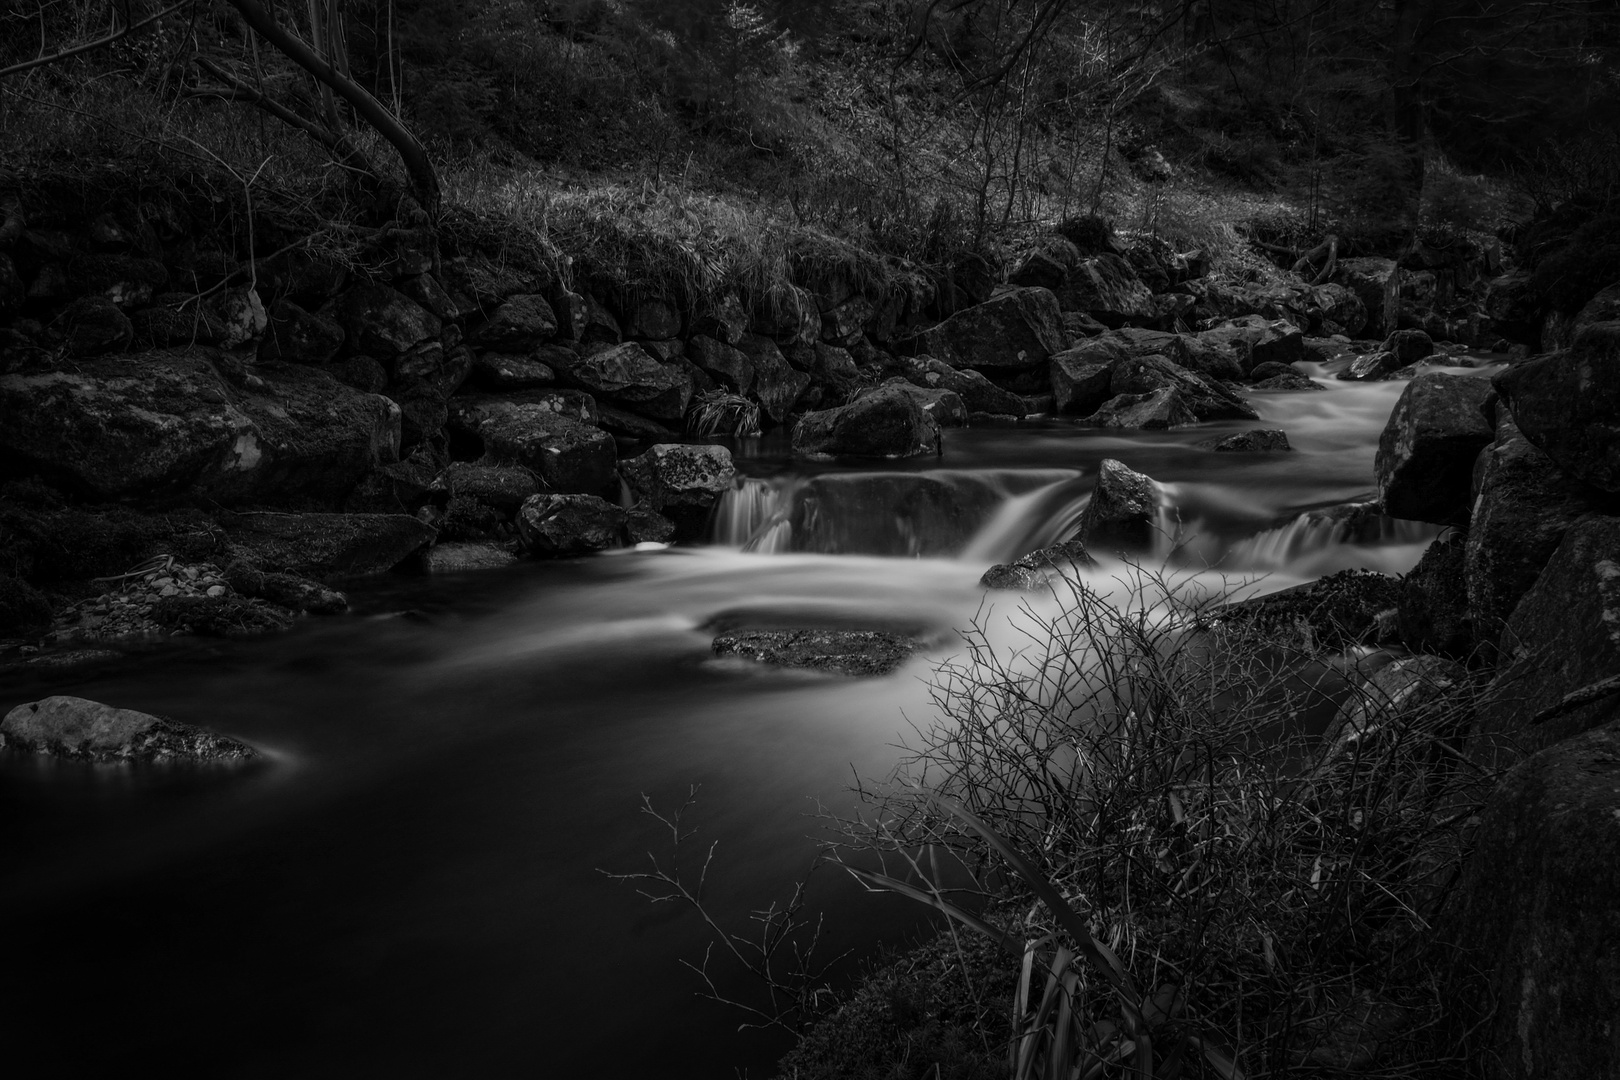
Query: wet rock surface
(1039, 568)
(1260, 440)
(72, 727)
(1426, 453)
(885, 423)
(1124, 510)
(556, 526)
(843, 652)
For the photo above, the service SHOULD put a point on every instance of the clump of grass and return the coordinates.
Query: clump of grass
(1203, 872)
(719, 413)
(660, 239)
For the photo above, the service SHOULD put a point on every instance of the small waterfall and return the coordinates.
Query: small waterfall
(924, 514)
(1035, 519)
(753, 515)
(1317, 531)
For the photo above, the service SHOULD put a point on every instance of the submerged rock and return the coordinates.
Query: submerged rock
(459, 557)
(1260, 440)
(844, 652)
(1038, 568)
(73, 727)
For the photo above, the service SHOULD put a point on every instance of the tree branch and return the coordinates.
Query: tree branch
(84, 47)
(424, 178)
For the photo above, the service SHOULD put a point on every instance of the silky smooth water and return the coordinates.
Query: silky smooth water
(410, 885)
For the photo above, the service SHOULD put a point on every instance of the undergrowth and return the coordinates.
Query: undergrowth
(1191, 855)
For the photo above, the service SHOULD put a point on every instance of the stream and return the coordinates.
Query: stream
(412, 886)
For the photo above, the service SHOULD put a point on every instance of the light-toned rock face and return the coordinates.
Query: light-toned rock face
(675, 475)
(75, 727)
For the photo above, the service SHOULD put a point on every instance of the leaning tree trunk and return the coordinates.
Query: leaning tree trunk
(424, 179)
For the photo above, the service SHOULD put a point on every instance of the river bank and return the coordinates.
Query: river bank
(290, 428)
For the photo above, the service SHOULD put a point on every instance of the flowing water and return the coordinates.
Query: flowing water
(411, 884)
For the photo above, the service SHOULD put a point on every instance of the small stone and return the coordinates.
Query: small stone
(216, 590)
(169, 590)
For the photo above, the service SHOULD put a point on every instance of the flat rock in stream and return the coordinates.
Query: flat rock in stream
(75, 727)
(843, 652)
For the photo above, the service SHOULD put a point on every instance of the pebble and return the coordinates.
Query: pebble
(123, 612)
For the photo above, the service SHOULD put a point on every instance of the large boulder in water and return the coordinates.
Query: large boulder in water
(324, 546)
(165, 422)
(842, 652)
(74, 727)
(1524, 506)
(1537, 913)
(554, 526)
(1123, 513)
(1019, 328)
(1163, 408)
(1039, 568)
(628, 375)
(1204, 398)
(680, 480)
(1426, 453)
(1568, 404)
(885, 423)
